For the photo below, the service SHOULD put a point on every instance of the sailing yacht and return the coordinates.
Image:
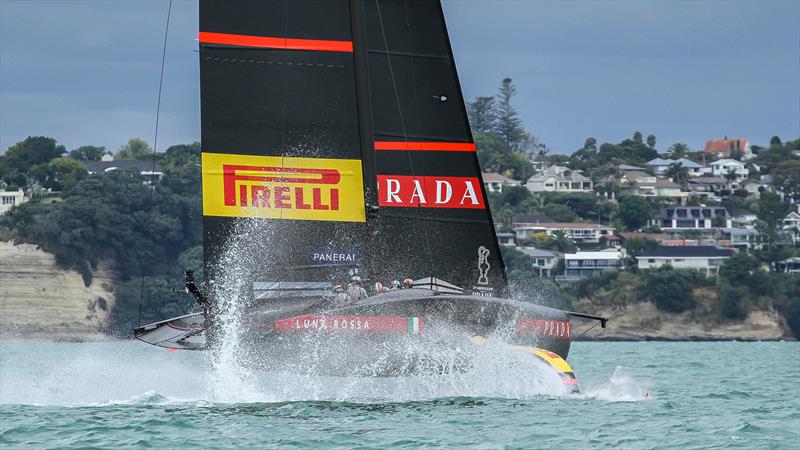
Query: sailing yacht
(336, 130)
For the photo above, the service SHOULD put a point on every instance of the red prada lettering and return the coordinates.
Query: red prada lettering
(429, 192)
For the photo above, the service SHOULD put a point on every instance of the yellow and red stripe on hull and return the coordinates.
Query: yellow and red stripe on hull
(558, 363)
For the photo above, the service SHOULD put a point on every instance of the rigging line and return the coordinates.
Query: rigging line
(155, 149)
(400, 109)
(586, 331)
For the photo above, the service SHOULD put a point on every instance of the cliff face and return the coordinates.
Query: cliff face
(37, 297)
(643, 321)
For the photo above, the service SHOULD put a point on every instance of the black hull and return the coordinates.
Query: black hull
(392, 334)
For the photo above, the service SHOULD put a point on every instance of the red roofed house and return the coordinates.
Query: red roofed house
(722, 148)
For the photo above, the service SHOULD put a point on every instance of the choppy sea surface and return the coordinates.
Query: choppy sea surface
(634, 395)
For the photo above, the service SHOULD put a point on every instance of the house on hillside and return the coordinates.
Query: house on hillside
(507, 239)
(646, 185)
(533, 218)
(723, 167)
(789, 265)
(559, 179)
(661, 166)
(705, 259)
(9, 199)
(578, 232)
(542, 261)
(692, 217)
(147, 168)
(494, 182)
(622, 168)
(723, 148)
(581, 265)
(708, 188)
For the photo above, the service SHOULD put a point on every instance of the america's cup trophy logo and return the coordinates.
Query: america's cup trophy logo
(483, 265)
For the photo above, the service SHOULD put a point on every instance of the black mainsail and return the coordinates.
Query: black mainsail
(341, 125)
(337, 128)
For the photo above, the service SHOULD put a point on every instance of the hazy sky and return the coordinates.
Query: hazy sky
(86, 72)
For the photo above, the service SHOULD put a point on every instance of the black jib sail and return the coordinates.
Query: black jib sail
(340, 127)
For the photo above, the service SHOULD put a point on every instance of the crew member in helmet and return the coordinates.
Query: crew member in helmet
(355, 291)
(408, 283)
(395, 285)
(377, 288)
(340, 298)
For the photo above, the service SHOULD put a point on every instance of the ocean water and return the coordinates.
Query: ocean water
(125, 394)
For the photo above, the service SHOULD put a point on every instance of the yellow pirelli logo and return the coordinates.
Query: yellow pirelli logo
(283, 188)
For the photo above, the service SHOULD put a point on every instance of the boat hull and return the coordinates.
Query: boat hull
(390, 334)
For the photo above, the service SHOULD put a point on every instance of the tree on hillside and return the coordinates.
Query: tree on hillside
(588, 151)
(634, 212)
(626, 152)
(670, 289)
(88, 153)
(678, 150)
(634, 247)
(508, 126)
(482, 114)
(738, 268)
(786, 178)
(493, 156)
(561, 242)
(637, 137)
(732, 302)
(135, 149)
(771, 212)
(651, 141)
(677, 173)
(63, 174)
(559, 213)
(22, 157)
(587, 206)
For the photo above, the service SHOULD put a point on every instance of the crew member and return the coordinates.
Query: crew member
(408, 283)
(355, 291)
(209, 327)
(198, 295)
(377, 288)
(340, 299)
(395, 285)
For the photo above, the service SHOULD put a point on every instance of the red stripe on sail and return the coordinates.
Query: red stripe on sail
(426, 146)
(244, 40)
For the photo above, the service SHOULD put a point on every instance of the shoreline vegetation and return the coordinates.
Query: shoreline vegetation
(122, 237)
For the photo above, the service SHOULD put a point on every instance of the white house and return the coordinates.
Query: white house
(9, 199)
(588, 264)
(559, 179)
(494, 182)
(660, 166)
(692, 217)
(542, 261)
(723, 167)
(147, 168)
(578, 232)
(705, 259)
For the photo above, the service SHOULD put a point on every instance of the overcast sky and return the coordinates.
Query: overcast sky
(86, 72)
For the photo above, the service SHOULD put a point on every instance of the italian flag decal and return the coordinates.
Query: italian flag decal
(414, 325)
